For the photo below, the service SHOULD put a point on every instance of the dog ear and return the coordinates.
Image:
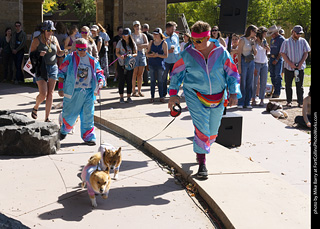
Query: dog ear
(118, 151)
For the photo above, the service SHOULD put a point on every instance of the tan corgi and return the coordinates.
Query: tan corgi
(97, 182)
(108, 156)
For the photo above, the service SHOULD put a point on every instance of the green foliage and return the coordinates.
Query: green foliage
(260, 12)
(85, 10)
(49, 6)
(206, 10)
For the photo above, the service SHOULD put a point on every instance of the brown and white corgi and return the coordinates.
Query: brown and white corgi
(108, 156)
(97, 182)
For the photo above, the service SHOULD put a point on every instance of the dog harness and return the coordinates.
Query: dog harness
(102, 149)
(85, 176)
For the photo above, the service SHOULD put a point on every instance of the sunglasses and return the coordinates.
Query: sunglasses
(84, 49)
(49, 30)
(18, 25)
(214, 30)
(198, 41)
(84, 32)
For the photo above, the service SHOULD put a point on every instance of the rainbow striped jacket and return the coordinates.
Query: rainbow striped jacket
(207, 77)
(68, 71)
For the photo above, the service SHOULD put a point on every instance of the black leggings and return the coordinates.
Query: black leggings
(124, 76)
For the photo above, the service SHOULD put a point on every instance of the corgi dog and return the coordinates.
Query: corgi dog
(97, 182)
(108, 156)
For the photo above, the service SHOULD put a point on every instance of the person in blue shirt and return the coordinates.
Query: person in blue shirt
(276, 60)
(173, 52)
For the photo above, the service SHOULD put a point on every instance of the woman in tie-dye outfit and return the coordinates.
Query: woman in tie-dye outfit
(207, 72)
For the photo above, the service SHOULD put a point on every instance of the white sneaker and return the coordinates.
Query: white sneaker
(240, 107)
(249, 107)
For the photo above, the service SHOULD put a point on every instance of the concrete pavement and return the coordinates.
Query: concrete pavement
(244, 190)
(44, 192)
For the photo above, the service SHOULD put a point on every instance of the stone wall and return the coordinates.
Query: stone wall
(124, 12)
(151, 12)
(11, 11)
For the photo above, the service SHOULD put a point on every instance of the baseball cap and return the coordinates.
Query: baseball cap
(126, 31)
(298, 29)
(94, 27)
(157, 31)
(136, 23)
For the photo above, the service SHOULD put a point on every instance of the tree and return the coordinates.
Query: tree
(260, 12)
(206, 10)
(298, 12)
(85, 10)
(49, 6)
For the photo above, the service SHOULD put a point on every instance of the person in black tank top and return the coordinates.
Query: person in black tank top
(47, 46)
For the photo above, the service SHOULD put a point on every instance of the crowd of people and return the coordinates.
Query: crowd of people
(155, 55)
(211, 75)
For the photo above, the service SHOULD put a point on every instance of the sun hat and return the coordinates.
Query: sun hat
(47, 25)
(272, 30)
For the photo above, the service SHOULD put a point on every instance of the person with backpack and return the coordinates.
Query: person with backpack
(126, 49)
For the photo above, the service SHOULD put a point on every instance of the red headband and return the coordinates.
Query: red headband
(81, 46)
(200, 35)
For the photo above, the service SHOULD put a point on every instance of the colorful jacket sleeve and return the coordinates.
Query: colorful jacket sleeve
(177, 75)
(232, 76)
(64, 67)
(100, 73)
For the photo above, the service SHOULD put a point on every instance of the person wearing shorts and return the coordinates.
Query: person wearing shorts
(48, 47)
(141, 41)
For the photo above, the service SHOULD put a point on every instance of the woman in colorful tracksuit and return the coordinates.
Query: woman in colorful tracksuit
(80, 77)
(207, 72)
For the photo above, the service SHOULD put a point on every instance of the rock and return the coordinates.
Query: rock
(7, 222)
(20, 135)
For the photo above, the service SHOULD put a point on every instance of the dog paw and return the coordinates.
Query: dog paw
(94, 203)
(116, 177)
(105, 196)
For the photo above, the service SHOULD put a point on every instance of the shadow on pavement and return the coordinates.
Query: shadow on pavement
(76, 204)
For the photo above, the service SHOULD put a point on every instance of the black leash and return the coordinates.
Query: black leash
(176, 111)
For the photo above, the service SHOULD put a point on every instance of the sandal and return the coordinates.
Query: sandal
(34, 113)
(47, 120)
(134, 94)
(140, 94)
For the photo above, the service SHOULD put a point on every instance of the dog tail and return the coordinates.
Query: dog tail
(94, 160)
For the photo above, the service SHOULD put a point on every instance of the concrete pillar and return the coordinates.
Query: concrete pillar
(32, 14)
(100, 8)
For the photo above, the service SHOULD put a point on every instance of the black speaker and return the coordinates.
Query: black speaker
(233, 16)
(230, 130)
